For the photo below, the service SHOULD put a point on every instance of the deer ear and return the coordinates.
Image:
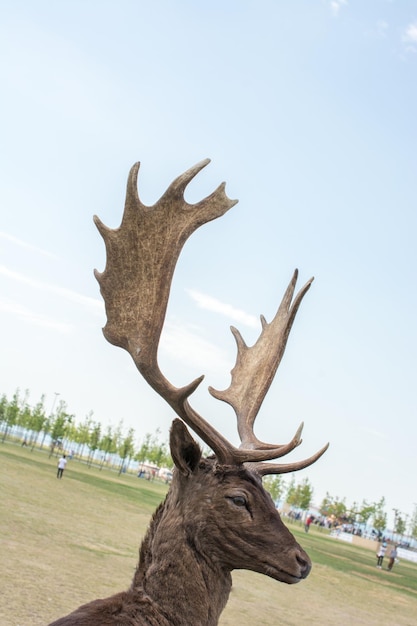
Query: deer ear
(185, 452)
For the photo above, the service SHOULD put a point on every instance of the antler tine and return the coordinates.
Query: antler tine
(265, 469)
(141, 258)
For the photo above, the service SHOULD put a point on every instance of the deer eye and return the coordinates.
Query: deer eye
(239, 500)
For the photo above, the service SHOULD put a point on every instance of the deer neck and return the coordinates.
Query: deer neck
(184, 583)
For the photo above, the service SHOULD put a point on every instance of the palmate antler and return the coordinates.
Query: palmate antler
(141, 258)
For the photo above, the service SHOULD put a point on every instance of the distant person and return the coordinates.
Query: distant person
(392, 556)
(308, 523)
(380, 554)
(62, 463)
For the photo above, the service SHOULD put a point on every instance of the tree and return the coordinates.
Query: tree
(159, 455)
(107, 445)
(117, 437)
(365, 512)
(60, 425)
(142, 454)
(12, 413)
(126, 448)
(290, 496)
(413, 523)
(333, 507)
(37, 420)
(275, 485)
(304, 493)
(380, 517)
(94, 441)
(82, 434)
(153, 451)
(49, 421)
(3, 407)
(399, 523)
(23, 417)
(352, 513)
(300, 495)
(325, 506)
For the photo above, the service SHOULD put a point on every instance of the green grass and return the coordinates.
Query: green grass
(350, 559)
(64, 542)
(100, 479)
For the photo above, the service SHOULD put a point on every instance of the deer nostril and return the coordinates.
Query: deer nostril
(304, 563)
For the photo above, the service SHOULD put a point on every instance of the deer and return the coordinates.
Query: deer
(216, 516)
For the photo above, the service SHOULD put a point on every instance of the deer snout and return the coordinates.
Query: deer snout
(304, 562)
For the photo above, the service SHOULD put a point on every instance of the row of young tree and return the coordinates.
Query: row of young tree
(300, 496)
(89, 438)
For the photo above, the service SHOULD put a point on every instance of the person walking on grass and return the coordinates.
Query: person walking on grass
(380, 554)
(62, 463)
(308, 523)
(392, 557)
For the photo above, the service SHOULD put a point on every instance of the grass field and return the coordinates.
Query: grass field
(65, 542)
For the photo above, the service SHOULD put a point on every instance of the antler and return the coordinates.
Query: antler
(141, 258)
(253, 374)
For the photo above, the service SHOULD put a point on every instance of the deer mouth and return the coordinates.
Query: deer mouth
(303, 569)
(283, 576)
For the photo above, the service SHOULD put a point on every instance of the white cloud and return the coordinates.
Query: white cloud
(179, 341)
(23, 244)
(15, 309)
(91, 303)
(410, 34)
(211, 304)
(336, 5)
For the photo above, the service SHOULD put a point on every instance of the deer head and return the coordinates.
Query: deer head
(229, 515)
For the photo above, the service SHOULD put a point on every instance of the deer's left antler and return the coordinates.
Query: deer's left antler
(141, 258)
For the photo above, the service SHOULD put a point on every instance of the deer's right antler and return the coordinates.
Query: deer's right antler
(141, 258)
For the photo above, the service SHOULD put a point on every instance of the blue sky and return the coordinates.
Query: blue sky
(307, 110)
